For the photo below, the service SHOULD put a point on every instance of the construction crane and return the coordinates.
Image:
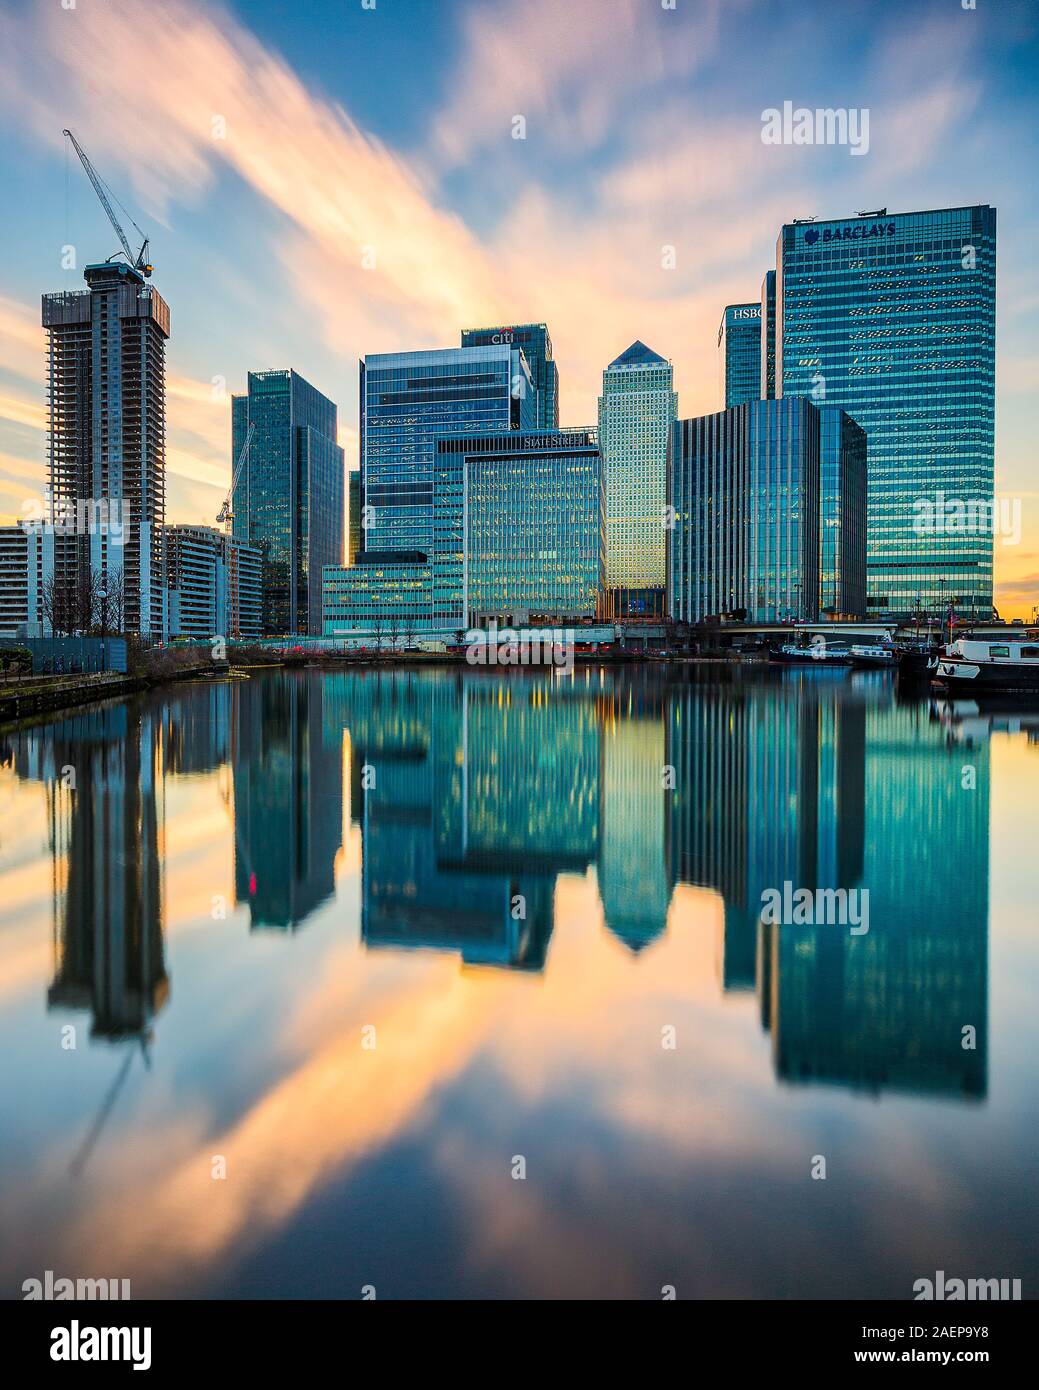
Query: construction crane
(140, 262)
(225, 515)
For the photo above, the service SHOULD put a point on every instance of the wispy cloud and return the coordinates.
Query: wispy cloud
(565, 68)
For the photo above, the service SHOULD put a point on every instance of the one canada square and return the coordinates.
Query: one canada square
(892, 318)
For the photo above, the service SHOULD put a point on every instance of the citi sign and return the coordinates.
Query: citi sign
(860, 232)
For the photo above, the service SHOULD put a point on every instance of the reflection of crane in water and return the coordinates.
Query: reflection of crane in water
(86, 1148)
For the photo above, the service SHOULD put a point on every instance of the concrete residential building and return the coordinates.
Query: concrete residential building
(215, 584)
(106, 442)
(14, 580)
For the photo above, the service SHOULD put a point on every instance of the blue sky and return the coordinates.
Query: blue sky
(352, 134)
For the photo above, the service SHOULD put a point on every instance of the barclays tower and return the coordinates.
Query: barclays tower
(892, 318)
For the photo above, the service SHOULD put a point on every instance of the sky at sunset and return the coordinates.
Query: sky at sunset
(320, 181)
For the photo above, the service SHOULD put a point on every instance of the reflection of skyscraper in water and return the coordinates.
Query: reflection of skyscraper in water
(517, 777)
(197, 721)
(633, 879)
(288, 798)
(760, 774)
(819, 785)
(105, 834)
(482, 794)
(887, 1009)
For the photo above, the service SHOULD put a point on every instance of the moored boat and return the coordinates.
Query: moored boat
(879, 655)
(1005, 665)
(916, 658)
(812, 654)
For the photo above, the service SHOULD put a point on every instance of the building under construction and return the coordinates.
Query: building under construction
(106, 400)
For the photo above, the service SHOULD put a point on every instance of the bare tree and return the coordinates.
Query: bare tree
(61, 599)
(395, 630)
(108, 602)
(378, 624)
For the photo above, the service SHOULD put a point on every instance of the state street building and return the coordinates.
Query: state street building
(520, 527)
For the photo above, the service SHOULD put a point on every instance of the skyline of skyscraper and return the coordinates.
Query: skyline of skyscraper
(892, 318)
(536, 343)
(106, 447)
(746, 486)
(739, 354)
(396, 443)
(636, 410)
(289, 497)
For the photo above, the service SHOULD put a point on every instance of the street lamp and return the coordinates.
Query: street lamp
(103, 597)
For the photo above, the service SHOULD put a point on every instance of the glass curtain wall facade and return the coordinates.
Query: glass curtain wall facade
(536, 343)
(521, 525)
(739, 354)
(636, 411)
(745, 486)
(355, 543)
(289, 496)
(407, 400)
(892, 318)
(842, 518)
(386, 594)
(767, 387)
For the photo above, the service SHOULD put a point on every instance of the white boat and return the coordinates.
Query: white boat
(874, 654)
(819, 652)
(1008, 665)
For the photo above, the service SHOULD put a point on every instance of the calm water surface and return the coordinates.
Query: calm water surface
(491, 879)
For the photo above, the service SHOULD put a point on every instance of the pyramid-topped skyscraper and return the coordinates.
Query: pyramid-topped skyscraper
(636, 410)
